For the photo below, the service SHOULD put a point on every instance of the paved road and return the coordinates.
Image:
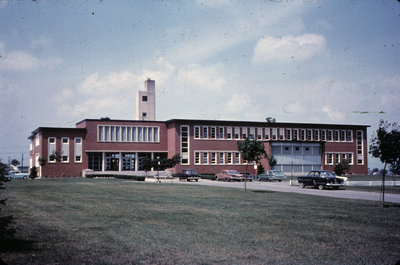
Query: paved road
(285, 187)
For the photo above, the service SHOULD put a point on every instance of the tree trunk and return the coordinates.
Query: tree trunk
(383, 185)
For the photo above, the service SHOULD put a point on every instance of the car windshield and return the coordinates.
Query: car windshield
(327, 174)
(232, 172)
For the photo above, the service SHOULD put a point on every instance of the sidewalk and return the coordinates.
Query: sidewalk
(285, 187)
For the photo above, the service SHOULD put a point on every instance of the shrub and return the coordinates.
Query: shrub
(137, 178)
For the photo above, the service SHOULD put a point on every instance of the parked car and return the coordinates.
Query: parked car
(188, 175)
(230, 175)
(320, 179)
(15, 174)
(248, 177)
(270, 175)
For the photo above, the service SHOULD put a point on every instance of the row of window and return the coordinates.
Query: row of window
(336, 158)
(229, 133)
(148, 134)
(64, 153)
(221, 158)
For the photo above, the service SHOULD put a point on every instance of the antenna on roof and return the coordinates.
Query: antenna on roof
(270, 120)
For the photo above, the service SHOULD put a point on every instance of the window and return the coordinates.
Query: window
(330, 159)
(197, 157)
(330, 135)
(237, 158)
(221, 158)
(65, 159)
(144, 98)
(309, 135)
(37, 139)
(336, 136)
(267, 133)
(65, 149)
(205, 132)
(237, 133)
(78, 149)
(350, 158)
(244, 133)
(196, 132)
(229, 132)
(51, 149)
(117, 134)
(295, 134)
(281, 134)
(316, 135)
(289, 134)
(350, 136)
(229, 158)
(274, 133)
(184, 144)
(112, 133)
(252, 134)
(259, 133)
(205, 158)
(221, 133)
(343, 136)
(360, 153)
(323, 135)
(337, 158)
(213, 132)
(302, 134)
(213, 158)
(123, 134)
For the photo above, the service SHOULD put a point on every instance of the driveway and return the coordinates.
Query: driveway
(285, 187)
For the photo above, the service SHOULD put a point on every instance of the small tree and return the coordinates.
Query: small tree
(253, 150)
(342, 167)
(386, 146)
(33, 173)
(5, 221)
(15, 162)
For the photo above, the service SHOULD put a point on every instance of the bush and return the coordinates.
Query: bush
(208, 176)
(137, 178)
(33, 173)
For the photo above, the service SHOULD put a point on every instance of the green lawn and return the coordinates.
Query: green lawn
(109, 221)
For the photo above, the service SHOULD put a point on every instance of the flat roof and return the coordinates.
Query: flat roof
(254, 123)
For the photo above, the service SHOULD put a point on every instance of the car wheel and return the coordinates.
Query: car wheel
(321, 187)
(302, 185)
(279, 180)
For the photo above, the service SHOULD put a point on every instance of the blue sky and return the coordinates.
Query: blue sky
(298, 61)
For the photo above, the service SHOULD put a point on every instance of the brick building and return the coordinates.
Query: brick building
(207, 146)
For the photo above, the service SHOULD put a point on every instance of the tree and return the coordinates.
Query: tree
(161, 164)
(253, 150)
(33, 173)
(5, 221)
(15, 162)
(342, 167)
(386, 146)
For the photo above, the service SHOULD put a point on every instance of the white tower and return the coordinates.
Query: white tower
(146, 102)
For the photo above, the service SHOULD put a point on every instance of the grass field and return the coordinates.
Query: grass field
(109, 221)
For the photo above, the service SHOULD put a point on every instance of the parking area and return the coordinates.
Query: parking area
(285, 187)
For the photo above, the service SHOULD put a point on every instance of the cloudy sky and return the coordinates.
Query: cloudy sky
(305, 61)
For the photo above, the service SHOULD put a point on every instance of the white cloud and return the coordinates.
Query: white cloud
(112, 95)
(213, 3)
(238, 103)
(197, 76)
(334, 114)
(41, 42)
(20, 60)
(288, 47)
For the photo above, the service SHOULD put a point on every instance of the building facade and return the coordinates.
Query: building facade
(207, 146)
